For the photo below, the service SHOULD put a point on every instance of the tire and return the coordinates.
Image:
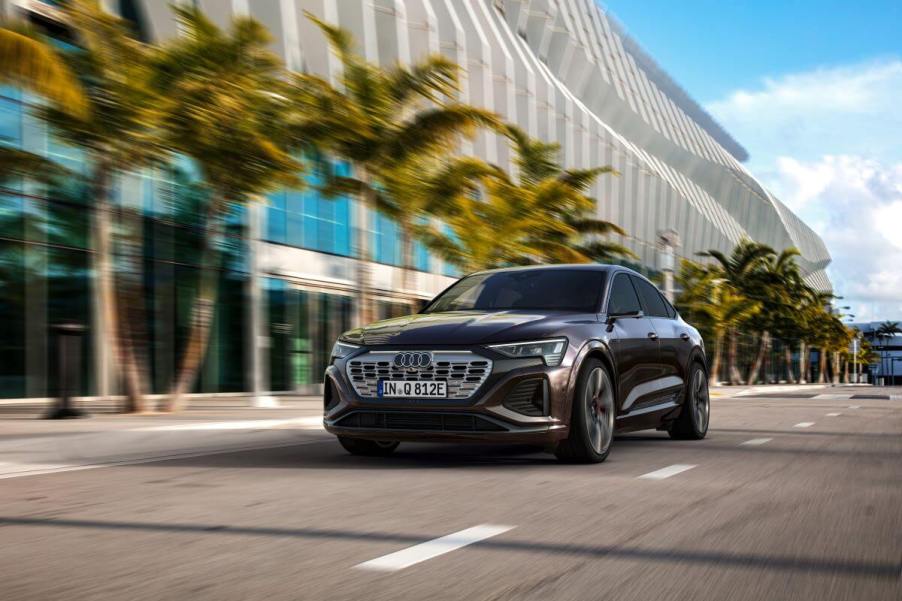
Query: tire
(368, 448)
(692, 424)
(591, 416)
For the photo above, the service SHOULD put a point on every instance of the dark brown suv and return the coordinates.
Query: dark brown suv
(562, 356)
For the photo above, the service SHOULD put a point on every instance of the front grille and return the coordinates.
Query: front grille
(528, 398)
(464, 371)
(421, 420)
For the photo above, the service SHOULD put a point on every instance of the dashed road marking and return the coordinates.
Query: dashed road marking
(854, 406)
(834, 414)
(803, 425)
(756, 441)
(433, 548)
(667, 472)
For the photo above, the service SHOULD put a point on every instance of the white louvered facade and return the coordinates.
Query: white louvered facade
(564, 71)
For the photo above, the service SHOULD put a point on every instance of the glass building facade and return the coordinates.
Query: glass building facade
(47, 273)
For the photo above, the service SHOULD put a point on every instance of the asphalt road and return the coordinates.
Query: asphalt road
(809, 512)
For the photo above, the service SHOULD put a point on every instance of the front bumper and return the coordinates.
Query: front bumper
(494, 413)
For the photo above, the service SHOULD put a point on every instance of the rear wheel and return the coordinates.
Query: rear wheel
(368, 448)
(591, 418)
(692, 424)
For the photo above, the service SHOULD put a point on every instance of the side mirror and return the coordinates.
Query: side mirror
(612, 317)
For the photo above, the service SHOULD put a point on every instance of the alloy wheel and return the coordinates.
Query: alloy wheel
(599, 400)
(701, 400)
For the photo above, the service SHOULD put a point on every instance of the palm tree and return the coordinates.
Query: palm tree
(379, 118)
(224, 105)
(720, 308)
(413, 191)
(564, 194)
(544, 215)
(116, 133)
(776, 285)
(28, 62)
(743, 269)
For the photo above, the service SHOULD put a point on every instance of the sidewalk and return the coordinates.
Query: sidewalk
(35, 446)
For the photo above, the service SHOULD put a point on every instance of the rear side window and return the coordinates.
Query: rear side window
(651, 298)
(623, 296)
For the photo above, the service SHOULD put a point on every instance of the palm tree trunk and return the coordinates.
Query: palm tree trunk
(821, 366)
(845, 370)
(407, 264)
(116, 337)
(803, 362)
(735, 376)
(714, 376)
(202, 312)
(763, 346)
(787, 355)
(835, 367)
(364, 270)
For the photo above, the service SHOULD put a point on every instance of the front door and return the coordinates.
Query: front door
(634, 343)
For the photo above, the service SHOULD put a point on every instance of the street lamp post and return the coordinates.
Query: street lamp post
(668, 242)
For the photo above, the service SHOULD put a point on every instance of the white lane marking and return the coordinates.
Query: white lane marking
(803, 425)
(433, 548)
(314, 422)
(854, 406)
(667, 472)
(756, 441)
(23, 470)
(834, 414)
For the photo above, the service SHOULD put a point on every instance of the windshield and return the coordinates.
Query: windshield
(538, 289)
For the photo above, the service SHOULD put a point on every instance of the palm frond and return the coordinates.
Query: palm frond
(340, 39)
(30, 63)
(438, 127)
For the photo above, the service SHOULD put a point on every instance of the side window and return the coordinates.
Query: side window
(651, 298)
(623, 297)
(671, 312)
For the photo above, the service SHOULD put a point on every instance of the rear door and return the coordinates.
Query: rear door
(668, 371)
(633, 341)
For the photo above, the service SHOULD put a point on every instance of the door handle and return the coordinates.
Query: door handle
(652, 335)
(685, 336)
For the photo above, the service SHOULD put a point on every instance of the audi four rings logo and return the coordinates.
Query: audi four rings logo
(413, 359)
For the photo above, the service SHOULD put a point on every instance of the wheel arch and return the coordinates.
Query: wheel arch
(595, 349)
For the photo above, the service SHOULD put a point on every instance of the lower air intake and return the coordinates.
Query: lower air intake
(422, 421)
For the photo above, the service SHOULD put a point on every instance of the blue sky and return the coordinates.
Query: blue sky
(813, 90)
(739, 42)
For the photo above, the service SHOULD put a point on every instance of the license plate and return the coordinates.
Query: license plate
(412, 390)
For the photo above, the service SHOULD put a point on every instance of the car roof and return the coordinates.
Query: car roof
(565, 266)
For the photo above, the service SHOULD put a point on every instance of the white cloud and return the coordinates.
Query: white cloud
(852, 109)
(827, 143)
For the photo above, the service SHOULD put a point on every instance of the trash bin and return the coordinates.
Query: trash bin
(68, 340)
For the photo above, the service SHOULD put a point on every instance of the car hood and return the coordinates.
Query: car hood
(465, 327)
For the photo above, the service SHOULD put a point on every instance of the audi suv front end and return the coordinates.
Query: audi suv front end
(559, 356)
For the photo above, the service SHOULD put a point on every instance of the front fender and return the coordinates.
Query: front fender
(590, 347)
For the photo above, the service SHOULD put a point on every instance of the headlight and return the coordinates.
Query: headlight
(342, 349)
(551, 351)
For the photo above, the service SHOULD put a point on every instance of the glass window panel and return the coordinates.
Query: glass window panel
(11, 216)
(276, 224)
(651, 298)
(10, 122)
(12, 326)
(623, 298)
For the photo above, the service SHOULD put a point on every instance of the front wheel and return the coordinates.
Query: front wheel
(692, 424)
(368, 448)
(591, 418)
